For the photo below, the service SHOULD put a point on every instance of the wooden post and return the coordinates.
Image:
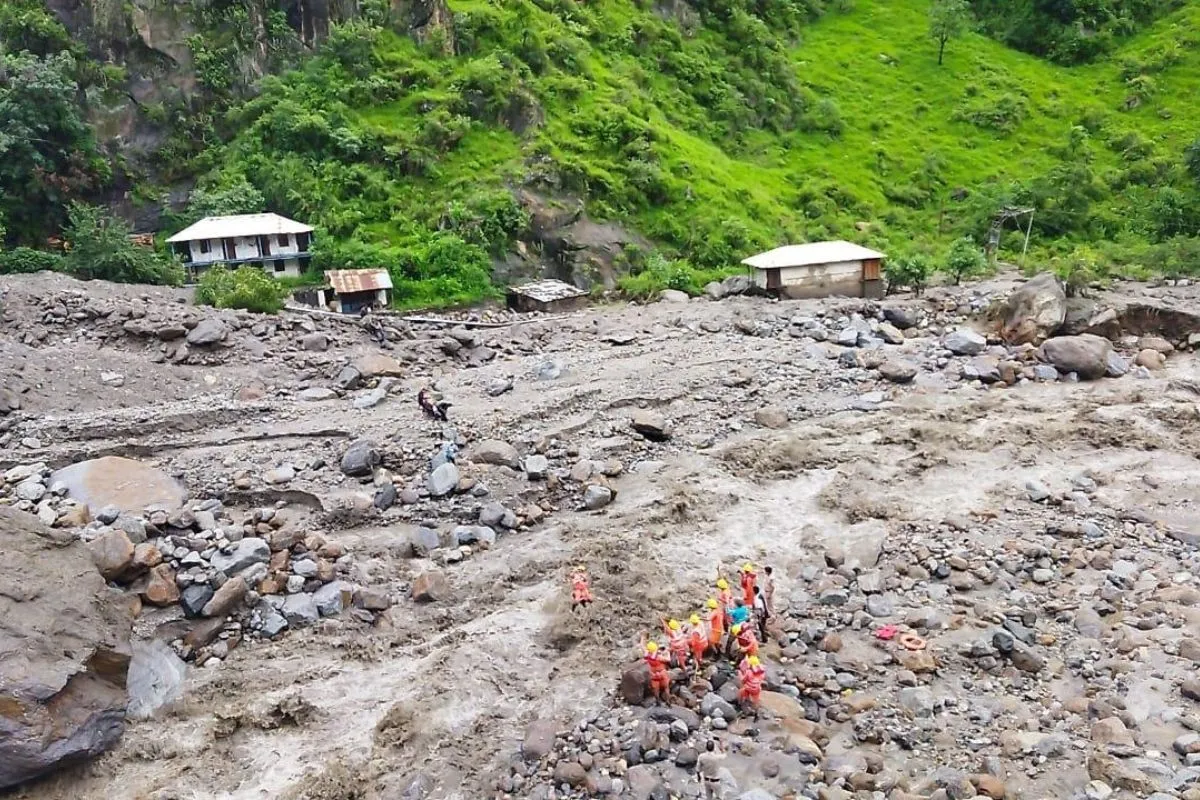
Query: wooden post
(1028, 230)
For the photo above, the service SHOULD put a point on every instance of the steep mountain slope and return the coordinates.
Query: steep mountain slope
(444, 141)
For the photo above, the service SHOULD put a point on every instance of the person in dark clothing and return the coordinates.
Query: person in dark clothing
(435, 410)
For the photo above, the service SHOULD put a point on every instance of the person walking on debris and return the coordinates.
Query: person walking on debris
(581, 592)
(743, 642)
(697, 639)
(748, 580)
(768, 588)
(660, 678)
(760, 612)
(677, 643)
(716, 625)
(436, 410)
(751, 676)
(708, 767)
(724, 596)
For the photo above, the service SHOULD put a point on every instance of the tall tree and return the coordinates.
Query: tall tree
(48, 155)
(948, 19)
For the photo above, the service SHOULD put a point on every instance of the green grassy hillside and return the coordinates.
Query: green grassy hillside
(713, 129)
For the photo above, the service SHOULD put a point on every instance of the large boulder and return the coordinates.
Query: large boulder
(1086, 355)
(208, 332)
(123, 483)
(64, 652)
(361, 458)
(1034, 311)
(964, 342)
(494, 451)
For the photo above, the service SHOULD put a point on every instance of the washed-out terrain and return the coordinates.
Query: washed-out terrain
(402, 630)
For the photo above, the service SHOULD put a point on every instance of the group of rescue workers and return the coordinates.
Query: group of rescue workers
(731, 624)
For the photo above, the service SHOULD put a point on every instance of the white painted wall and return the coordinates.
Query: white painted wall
(246, 247)
(814, 275)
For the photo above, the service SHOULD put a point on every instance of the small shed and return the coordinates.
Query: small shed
(547, 295)
(351, 290)
(819, 269)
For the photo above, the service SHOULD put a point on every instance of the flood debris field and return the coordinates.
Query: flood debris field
(373, 604)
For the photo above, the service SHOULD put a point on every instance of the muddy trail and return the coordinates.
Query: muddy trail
(981, 513)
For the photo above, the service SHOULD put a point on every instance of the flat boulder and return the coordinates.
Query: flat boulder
(64, 655)
(898, 371)
(964, 342)
(443, 480)
(495, 452)
(124, 483)
(1034, 311)
(378, 365)
(651, 425)
(361, 458)
(208, 332)
(430, 587)
(1086, 355)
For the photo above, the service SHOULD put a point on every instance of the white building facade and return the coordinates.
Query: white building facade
(279, 246)
(819, 269)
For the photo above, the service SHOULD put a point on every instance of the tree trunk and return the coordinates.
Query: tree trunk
(941, 49)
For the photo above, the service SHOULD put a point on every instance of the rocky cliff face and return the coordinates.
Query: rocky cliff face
(64, 652)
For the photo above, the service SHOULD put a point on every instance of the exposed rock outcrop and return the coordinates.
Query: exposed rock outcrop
(64, 652)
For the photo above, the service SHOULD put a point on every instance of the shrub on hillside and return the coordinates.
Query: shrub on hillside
(911, 272)
(247, 288)
(26, 260)
(100, 249)
(964, 260)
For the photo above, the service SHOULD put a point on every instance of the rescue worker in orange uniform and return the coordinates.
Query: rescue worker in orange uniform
(724, 597)
(747, 642)
(697, 639)
(751, 676)
(677, 642)
(716, 625)
(660, 678)
(749, 580)
(581, 592)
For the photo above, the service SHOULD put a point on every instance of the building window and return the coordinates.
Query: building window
(283, 239)
(302, 242)
(204, 248)
(280, 266)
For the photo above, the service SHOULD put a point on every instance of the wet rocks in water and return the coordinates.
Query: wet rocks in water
(1086, 354)
(651, 425)
(964, 342)
(361, 458)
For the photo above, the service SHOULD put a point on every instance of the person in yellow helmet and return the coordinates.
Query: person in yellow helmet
(697, 639)
(724, 597)
(751, 676)
(660, 678)
(716, 625)
(676, 642)
(749, 579)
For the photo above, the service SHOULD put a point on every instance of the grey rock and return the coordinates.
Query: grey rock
(361, 458)
(474, 534)
(495, 452)
(300, 610)
(245, 553)
(31, 489)
(370, 399)
(209, 332)
(712, 704)
(879, 605)
(273, 623)
(108, 515)
(964, 342)
(548, 371)
(423, 541)
(536, 467)
(317, 393)
(1037, 491)
(494, 515)
(499, 386)
(385, 496)
(902, 318)
(304, 567)
(673, 296)
(982, 368)
(156, 677)
(651, 425)
(284, 473)
(315, 342)
(918, 700)
(1086, 354)
(1034, 311)
(348, 378)
(596, 497)
(1116, 366)
(898, 371)
(194, 598)
(334, 597)
(890, 334)
(443, 480)
(847, 337)
(1045, 372)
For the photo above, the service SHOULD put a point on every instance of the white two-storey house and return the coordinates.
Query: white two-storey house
(277, 245)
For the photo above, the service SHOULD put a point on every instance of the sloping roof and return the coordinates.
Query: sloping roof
(349, 281)
(548, 290)
(240, 225)
(803, 255)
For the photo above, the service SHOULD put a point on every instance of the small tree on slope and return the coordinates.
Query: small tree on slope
(948, 19)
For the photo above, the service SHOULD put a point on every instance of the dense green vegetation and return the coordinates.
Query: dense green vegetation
(721, 128)
(246, 287)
